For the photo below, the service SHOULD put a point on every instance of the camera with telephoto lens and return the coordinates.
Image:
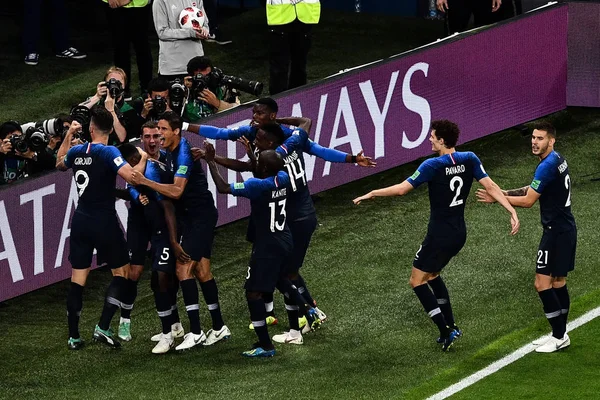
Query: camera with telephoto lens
(51, 127)
(82, 115)
(177, 95)
(159, 105)
(216, 78)
(114, 87)
(33, 139)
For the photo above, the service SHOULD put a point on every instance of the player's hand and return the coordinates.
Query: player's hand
(113, 3)
(101, 89)
(180, 254)
(484, 197)
(74, 128)
(496, 5)
(5, 147)
(209, 97)
(201, 33)
(143, 199)
(515, 223)
(197, 153)
(136, 178)
(147, 107)
(367, 196)
(442, 5)
(209, 151)
(364, 161)
(143, 154)
(248, 146)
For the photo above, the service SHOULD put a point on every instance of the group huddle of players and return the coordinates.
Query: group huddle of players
(173, 210)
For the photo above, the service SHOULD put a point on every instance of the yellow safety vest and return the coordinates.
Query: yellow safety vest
(281, 12)
(134, 3)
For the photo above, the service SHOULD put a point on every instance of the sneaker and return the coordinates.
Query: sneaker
(258, 352)
(165, 344)
(213, 336)
(125, 330)
(176, 331)
(321, 315)
(449, 341)
(106, 337)
(553, 344)
(75, 344)
(190, 340)
(218, 38)
(458, 334)
(73, 53)
(270, 321)
(542, 340)
(289, 338)
(32, 59)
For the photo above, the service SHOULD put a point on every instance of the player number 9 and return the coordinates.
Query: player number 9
(84, 182)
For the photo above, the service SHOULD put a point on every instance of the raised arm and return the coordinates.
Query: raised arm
(300, 122)
(220, 183)
(396, 190)
(337, 156)
(65, 146)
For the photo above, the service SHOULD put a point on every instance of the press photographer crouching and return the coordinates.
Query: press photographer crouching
(22, 154)
(211, 91)
(110, 93)
(156, 102)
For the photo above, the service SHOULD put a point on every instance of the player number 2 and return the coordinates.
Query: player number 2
(275, 225)
(456, 184)
(82, 180)
(295, 171)
(568, 187)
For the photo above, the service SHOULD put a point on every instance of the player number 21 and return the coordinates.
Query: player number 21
(274, 224)
(456, 184)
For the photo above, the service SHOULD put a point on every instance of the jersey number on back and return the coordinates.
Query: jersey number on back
(568, 187)
(82, 180)
(277, 206)
(456, 184)
(295, 171)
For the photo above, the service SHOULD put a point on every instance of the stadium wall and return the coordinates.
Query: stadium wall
(486, 81)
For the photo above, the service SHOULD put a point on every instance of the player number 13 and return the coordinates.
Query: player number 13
(275, 225)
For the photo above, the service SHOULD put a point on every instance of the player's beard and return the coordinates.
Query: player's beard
(540, 150)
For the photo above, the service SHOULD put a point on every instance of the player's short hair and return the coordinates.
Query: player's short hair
(102, 119)
(128, 150)
(198, 63)
(269, 102)
(117, 70)
(446, 130)
(9, 127)
(272, 161)
(149, 125)
(172, 118)
(274, 132)
(545, 126)
(158, 84)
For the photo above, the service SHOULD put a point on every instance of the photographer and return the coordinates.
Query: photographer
(207, 95)
(110, 93)
(16, 164)
(157, 102)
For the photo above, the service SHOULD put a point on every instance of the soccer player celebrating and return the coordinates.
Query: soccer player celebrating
(449, 177)
(556, 254)
(95, 224)
(302, 214)
(268, 193)
(197, 218)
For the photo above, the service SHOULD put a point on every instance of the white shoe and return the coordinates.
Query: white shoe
(553, 344)
(176, 331)
(165, 344)
(541, 340)
(213, 336)
(190, 340)
(289, 338)
(321, 315)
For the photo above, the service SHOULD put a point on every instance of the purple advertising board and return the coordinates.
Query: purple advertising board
(486, 82)
(583, 87)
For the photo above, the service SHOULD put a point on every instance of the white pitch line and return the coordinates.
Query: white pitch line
(509, 359)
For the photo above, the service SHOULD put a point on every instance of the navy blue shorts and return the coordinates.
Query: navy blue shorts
(437, 251)
(101, 232)
(163, 259)
(302, 232)
(264, 270)
(556, 254)
(138, 235)
(197, 233)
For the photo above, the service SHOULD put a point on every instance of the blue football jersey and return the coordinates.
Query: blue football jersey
(95, 168)
(449, 178)
(553, 182)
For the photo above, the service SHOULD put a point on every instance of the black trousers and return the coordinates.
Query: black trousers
(289, 46)
(130, 26)
(460, 11)
(212, 12)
